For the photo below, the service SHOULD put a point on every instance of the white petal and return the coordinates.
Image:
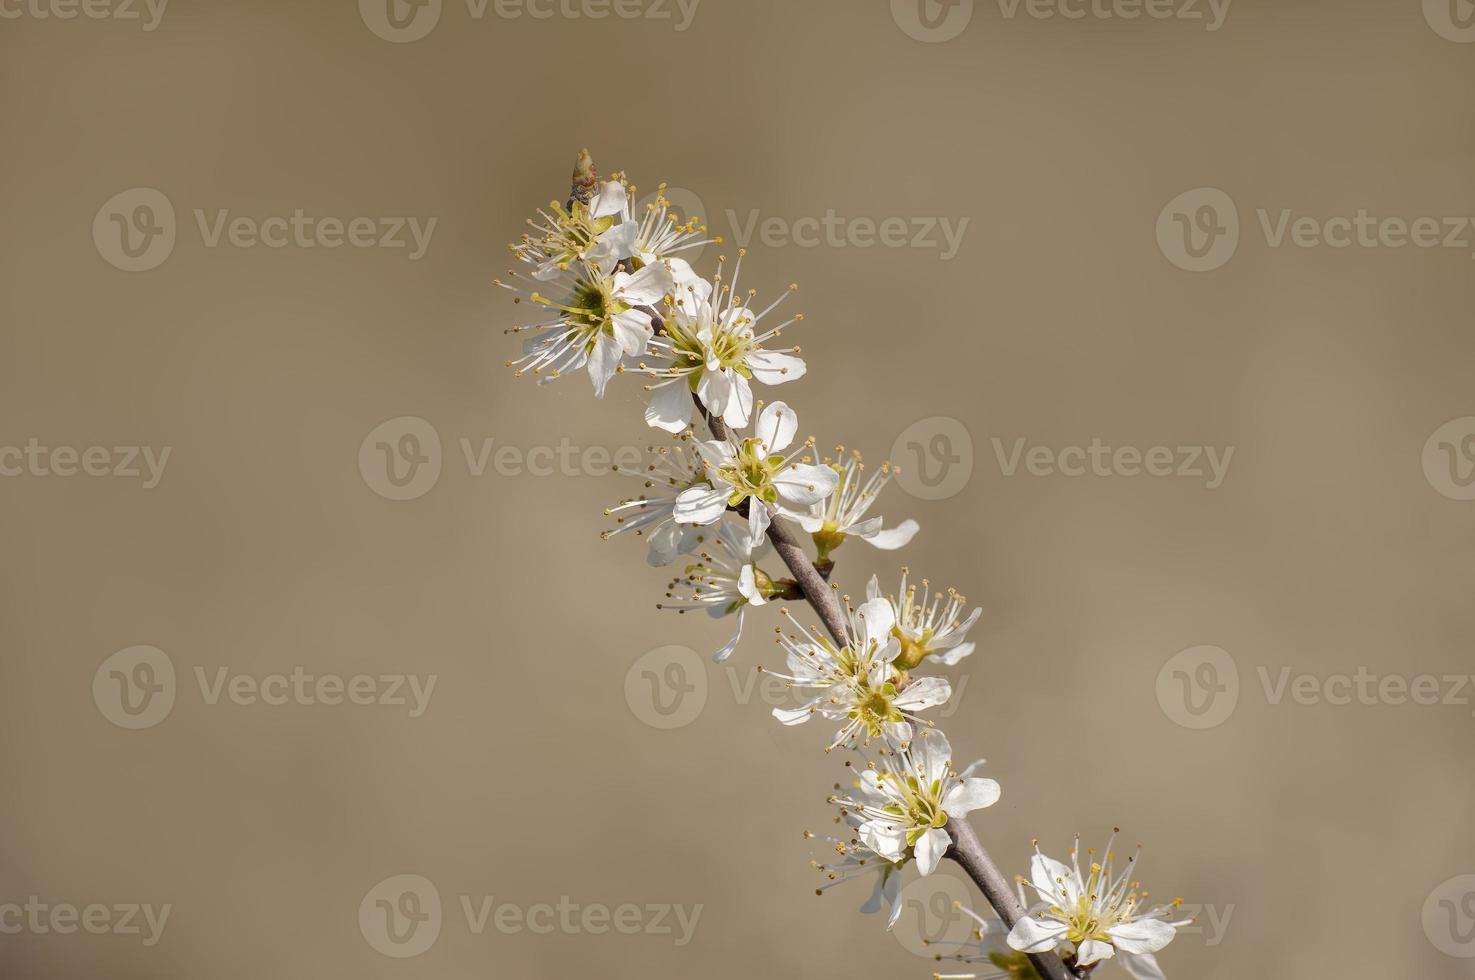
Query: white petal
(666, 542)
(602, 363)
(925, 692)
(930, 848)
(758, 519)
(748, 586)
(772, 368)
(1093, 951)
(956, 654)
(1047, 875)
(873, 588)
(739, 403)
(632, 330)
(646, 287)
(731, 644)
(609, 200)
(1142, 936)
(777, 426)
(806, 483)
(670, 407)
(888, 842)
(876, 617)
(794, 716)
(969, 795)
(892, 538)
(615, 245)
(700, 505)
(1142, 966)
(1032, 935)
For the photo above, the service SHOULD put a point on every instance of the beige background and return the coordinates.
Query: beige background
(1323, 829)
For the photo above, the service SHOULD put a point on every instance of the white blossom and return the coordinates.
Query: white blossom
(843, 513)
(857, 685)
(713, 344)
(753, 470)
(930, 624)
(904, 803)
(1099, 912)
(726, 581)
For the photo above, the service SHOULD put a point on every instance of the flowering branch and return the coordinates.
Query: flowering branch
(618, 298)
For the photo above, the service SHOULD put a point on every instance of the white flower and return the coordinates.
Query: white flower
(1098, 911)
(604, 317)
(668, 471)
(904, 803)
(727, 580)
(989, 946)
(859, 861)
(931, 625)
(712, 346)
(843, 513)
(753, 470)
(655, 237)
(857, 685)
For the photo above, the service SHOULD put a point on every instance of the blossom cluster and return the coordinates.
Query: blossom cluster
(614, 294)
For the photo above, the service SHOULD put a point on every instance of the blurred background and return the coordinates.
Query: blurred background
(257, 670)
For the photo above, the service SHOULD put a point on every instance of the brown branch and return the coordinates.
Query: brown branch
(814, 583)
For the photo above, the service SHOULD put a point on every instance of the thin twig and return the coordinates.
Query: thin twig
(966, 849)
